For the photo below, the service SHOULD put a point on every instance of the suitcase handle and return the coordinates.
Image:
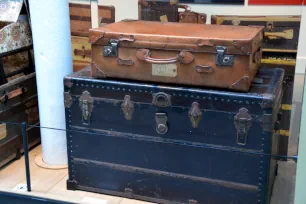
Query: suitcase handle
(183, 57)
(12, 94)
(187, 8)
(286, 34)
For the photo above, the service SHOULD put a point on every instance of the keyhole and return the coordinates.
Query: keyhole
(225, 59)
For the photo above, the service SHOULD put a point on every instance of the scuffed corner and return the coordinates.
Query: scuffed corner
(68, 83)
(96, 71)
(241, 85)
(95, 36)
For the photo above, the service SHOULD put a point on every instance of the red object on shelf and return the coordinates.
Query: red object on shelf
(276, 2)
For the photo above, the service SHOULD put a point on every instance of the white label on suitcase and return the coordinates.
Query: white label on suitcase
(165, 70)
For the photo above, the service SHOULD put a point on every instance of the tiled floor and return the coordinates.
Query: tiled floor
(52, 184)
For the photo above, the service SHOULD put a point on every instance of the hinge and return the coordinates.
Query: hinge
(67, 99)
(86, 105)
(223, 59)
(243, 122)
(127, 107)
(112, 49)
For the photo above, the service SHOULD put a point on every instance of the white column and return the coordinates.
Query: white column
(300, 96)
(53, 60)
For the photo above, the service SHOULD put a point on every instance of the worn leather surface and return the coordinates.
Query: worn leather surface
(167, 40)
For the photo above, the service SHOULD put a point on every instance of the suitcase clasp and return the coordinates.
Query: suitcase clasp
(224, 59)
(86, 105)
(161, 123)
(243, 122)
(127, 107)
(112, 49)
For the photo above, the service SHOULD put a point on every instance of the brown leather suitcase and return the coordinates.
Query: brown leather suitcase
(189, 16)
(191, 54)
(80, 18)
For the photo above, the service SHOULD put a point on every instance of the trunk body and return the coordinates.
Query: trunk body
(214, 56)
(281, 33)
(81, 52)
(18, 104)
(126, 139)
(80, 18)
(286, 61)
(160, 10)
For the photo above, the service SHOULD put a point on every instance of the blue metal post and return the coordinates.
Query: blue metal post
(26, 154)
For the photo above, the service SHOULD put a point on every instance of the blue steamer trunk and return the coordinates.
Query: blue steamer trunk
(171, 144)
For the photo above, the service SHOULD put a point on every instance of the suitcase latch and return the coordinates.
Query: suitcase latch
(195, 114)
(112, 49)
(223, 59)
(86, 105)
(243, 122)
(127, 107)
(161, 123)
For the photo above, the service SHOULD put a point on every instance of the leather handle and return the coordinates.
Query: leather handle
(204, 69)
(130, 38)
(11, 95)
(286, 34)
(257, 56)
(187, 8)
(83, 53)
(183, 57)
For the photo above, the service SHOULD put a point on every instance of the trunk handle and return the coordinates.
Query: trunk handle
(183, 57)
(12, 94)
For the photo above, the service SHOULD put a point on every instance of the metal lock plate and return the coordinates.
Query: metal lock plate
(195, 115)
(112, 49)
(162, 100)
(127, 107)
(161, 123)
(223, 59)
(86, 105)
(243, 122)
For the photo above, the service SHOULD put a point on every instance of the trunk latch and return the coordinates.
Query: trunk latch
(67, 100)
(86, 105)
(223, 59)
(161, 123)
(127, 107)
(195, 114)
(243, 122)
(112, 49)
